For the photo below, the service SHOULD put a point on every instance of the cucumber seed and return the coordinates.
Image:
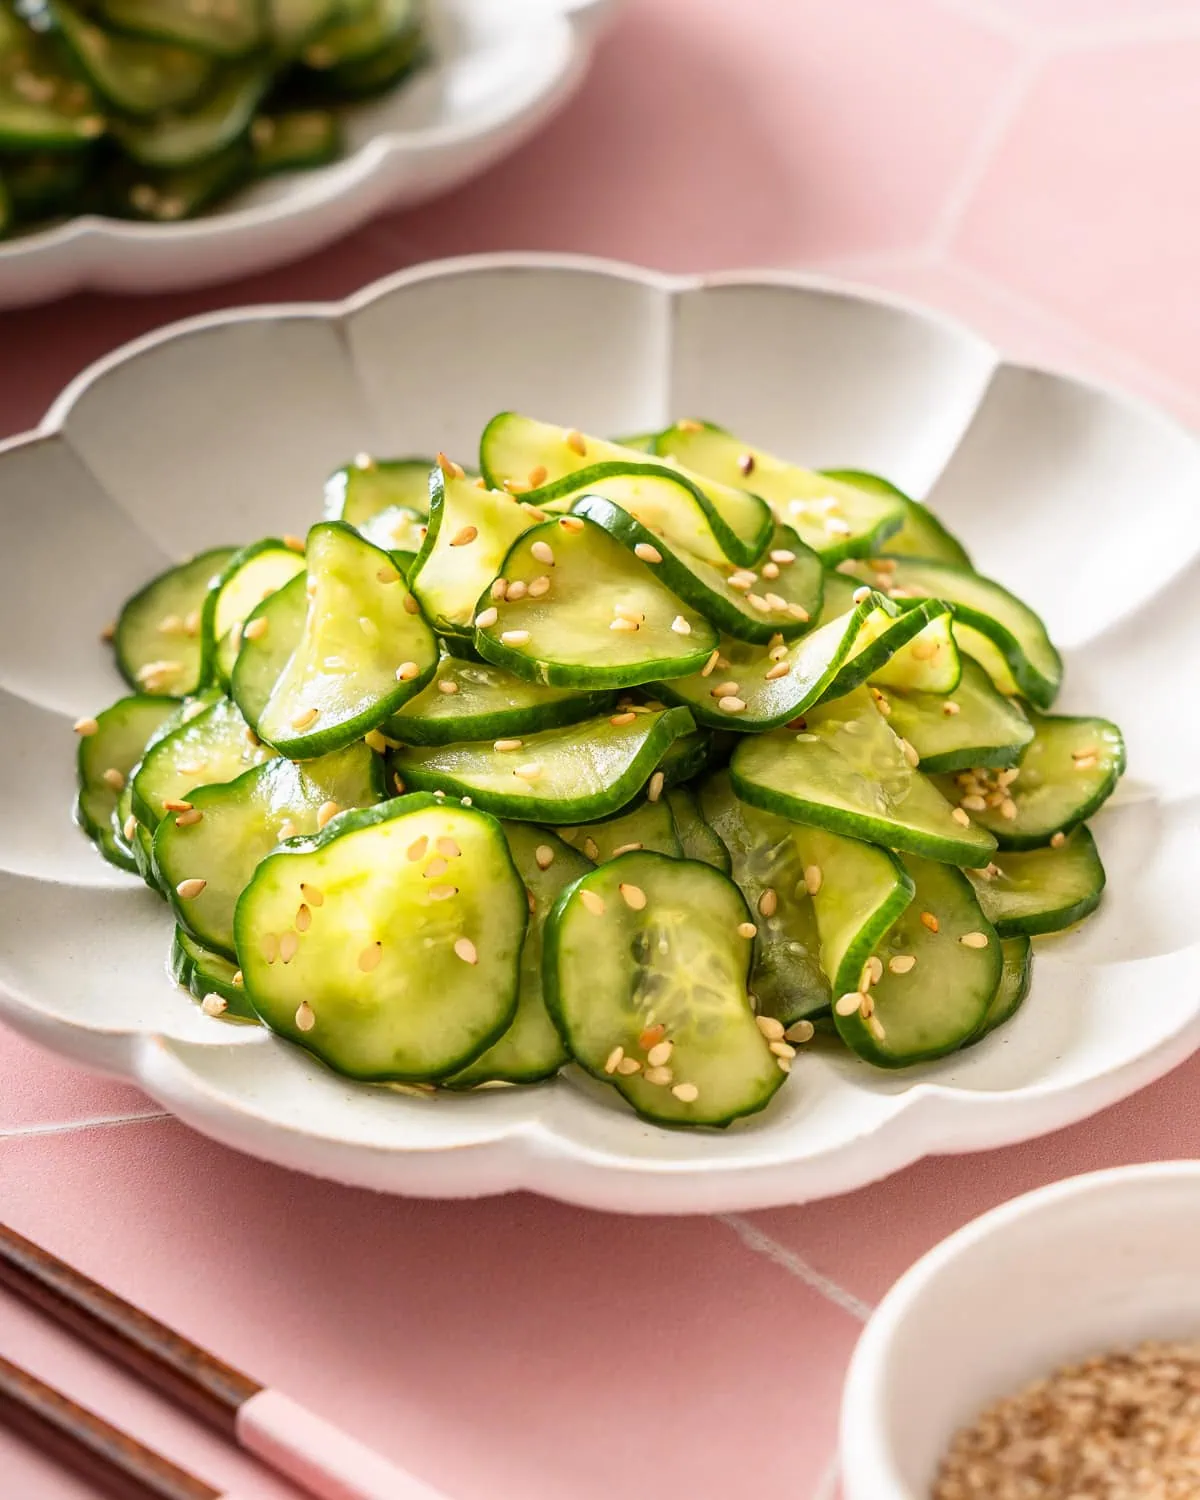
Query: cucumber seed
(633, 896)
(543, 552)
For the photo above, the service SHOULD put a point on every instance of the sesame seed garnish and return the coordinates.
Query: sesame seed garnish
(305, 717)
(950, 708)
(614, 1059)
(442, 892)
(633, 896)
(514, 637)
(731, 705)
(1058, 840)
(170, 625)
(782, 1049)
(628, 1065)
(326, 811)
(686, 1093)
(770, 570)
(238, 979)
(974, 940)
(960, 817)
(661, 1076)
(770, 1027)
(812, 879)
(411, 606)
(745, 464)
(113, 778)
(544, 553)
(288, 830)
(622, 624)
(652, 1035)
(387, 575)
(708, 667)
(929, 920)
(798, 612)
(628, 717)
(448, 687)
(303, 918)
(375, 741)
(129, 828)
(538, 476)
(742, 580)
(306, 1017)
(780, 669)
(775, 602)
(654, 791)
(465, 949)
(592, 902)
(214, 1005)
(313, 894)
(768, 903)
(188, 890)
(756, 601)
(783, 555)
(686, 424)
(517, 486)
(188, 817)
(746, 930)
(626, 849)
(530, 771)
(909, 752)
(539, 586)
(647, 553)
(570, 523)
(659, 1054)
(902, 963)
(176, 804)
(1085, 762)
(800, 1031)
(292, 543)
(973, 803)
(370, 957)
(449, 468)
(1008, 809)
(543, 856)
(847, 1004)
(576, 442)
(872, 972)
(108, 631)
(860, 595)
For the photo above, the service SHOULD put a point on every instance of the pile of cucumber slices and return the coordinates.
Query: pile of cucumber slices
(665, 756)
(154, 109)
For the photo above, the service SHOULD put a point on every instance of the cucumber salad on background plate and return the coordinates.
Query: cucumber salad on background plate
(661, 758)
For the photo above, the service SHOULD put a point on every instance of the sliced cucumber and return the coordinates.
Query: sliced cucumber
(185, 139)
(136, 76)
(909, 1012)
(42, 105)
(293, 23)
(770, 871)
(687, 756)
(975, 726)
(360, 490)
(697, 838)
(241, 821)
(985, 606)
(531, 1049)
(362, 33)
(836, 520)
(645, 964)
(265, 652)
(412, 900)
(716, 521)
(366, 77)
(784, 597)
(106, 757)
(43, 184)
(846, 771)
(746, 689)
(295, 139)
(578, 774)
(216, 745)
(579, 610)
(473, 700)
(228, 30)
(895, 646)
(397, 530)
(364, 651)
(206, 975)
(646, 825)
(922, 534)
(164, 195)
(158, 641)
(1015, 980)
(469, 536)
(1068, 769)
(1041, 890)
(249, 577)
(982, 650)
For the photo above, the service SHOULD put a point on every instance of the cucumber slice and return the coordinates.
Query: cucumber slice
(980, 649)
(645, 963)
(473, 700)
(836, 520)
(121, 815)
(204, 974)
(136, 76)
(399, 531)
(470, 533)
(229, 30)
(984, 606)
(42, 106)
(105, 759)
(250, 576)
(369, 76)
(900, 647)
(557, 776)
(186, 139)
(687, 756)
(531, 1049)
(769, 868)
(43, 184)
(744, 689)
(784, 600)
(913, 1012)
(241, 821)
(1041, 890)
(921, 534)
(362, 34)
(640, 442)
(1015, 979)
(364, 649)
(846, 771)
(581, 611)
(861, 891)
(697, 838)
(265, 652)
(1068, 769)
(976, 726)
(294, 23)
(214, 746)
(294, 140)
(166, 195)
(358, 491)
(414, 899)
(647, 825)
(158, 639)
(717, 522)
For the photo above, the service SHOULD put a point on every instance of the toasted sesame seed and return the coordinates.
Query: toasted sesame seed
(570, 523)
(783, 555)
(188, 817)
(872, 972)
(800, 1031)
(576, 442)
(756, 601)
(973, 803)
(387, 575)
(768, 903)
(1058, 840)
(629, 1065)
(902, 963)
(651, 1036)
(375, 741)
(326, 811)
(593, 902)
(782, 1049)
(371, 957)
(504, 745)
(411, 606)
(798, 612)
(746, 930)
(654, 790)
(770, 570)
(960, 817)
(129, 828)
(614, 1059)
(113, 778)
(306, 1017)
(1008, 809)
(448, 687)
(530, 771)
(499, 591)
(974, 940)
(288, 830)
(543, 856)
(780, 669)
(861, 594)
(847, 1004)
(929, 920)
(176, 804)
(517, 486)
(950, 708)
(544, 553)
(628, 717)
(770, 1027)
(292, 543)
(633, 896)
(742, 580)
(170, 625)
(188, 890)
(812, 879)
(214, 1005)
(626, 849)
(661, 1076)
(647, 553)
(686, 1093)
(909, 752)
(449, 468)
(313, 894)
(515, 637)
(660, 1054)
(442, 892)
(305, 717)
(775, 602)
(731, 705)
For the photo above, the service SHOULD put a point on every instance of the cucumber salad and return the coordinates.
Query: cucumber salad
(664, 757)
(155, 109)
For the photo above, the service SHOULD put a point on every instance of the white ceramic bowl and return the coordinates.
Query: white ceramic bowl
(500, 69)
(223, 428)
(1089, 1265)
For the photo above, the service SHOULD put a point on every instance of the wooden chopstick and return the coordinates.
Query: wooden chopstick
(112, 1461)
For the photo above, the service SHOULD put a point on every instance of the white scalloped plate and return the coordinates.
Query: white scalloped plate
(222, 429)
(500, 69)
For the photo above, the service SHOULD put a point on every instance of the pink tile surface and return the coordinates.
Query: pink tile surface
(1024, 164)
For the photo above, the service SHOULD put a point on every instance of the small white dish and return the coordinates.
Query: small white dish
(500, 69)
(1084, 1267)
(223, 429)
